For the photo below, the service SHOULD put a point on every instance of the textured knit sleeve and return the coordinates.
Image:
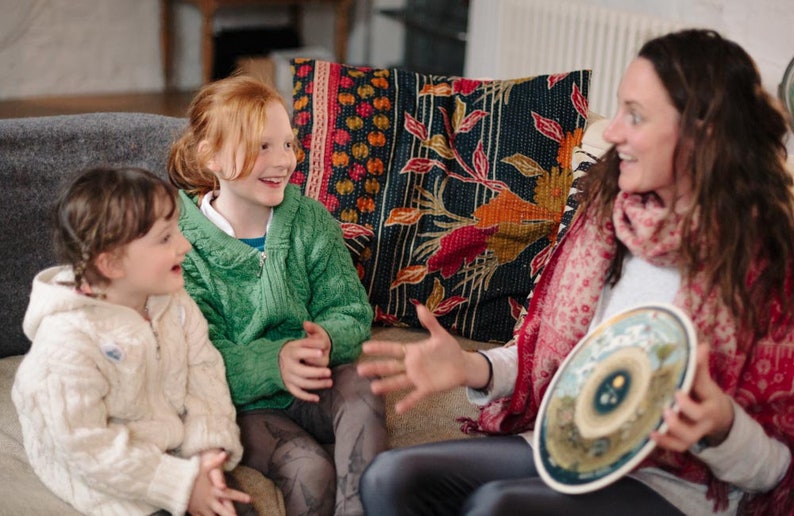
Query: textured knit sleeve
(210, 417)
(504, 361)
(338, 300)
(251, 366)
(61, 393)
(748, 458)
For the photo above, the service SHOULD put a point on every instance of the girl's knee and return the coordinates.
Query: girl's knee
(310, 473)
(355, 394)
(303, 457)
(348, 382)
(308, 486)
(319, 471)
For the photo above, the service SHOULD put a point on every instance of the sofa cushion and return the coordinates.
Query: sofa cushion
(460, 183)
(583, 160)
(36, 156)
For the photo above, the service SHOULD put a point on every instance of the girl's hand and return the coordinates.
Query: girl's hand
(317, 338)
(210, 495)
(295, 361)
(432, 365)
(707, 412)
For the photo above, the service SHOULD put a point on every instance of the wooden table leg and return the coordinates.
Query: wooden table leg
(342, 26)
(208, 10)
(166, 28)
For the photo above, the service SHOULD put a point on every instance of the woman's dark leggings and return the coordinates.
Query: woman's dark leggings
(487, 476)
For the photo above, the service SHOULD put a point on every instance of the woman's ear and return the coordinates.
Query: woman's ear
(110, 265)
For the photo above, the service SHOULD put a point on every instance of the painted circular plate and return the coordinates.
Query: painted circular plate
(610, 392)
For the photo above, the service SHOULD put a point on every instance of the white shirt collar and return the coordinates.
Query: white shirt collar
(219, 220)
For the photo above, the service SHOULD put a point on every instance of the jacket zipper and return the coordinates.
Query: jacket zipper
(156, 340)
(262, 258)
(148, 319)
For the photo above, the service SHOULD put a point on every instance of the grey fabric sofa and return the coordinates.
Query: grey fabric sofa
(36, 154)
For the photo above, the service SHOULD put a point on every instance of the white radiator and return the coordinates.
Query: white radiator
(518, 38)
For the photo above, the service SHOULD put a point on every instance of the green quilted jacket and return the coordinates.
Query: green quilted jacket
(256, 302)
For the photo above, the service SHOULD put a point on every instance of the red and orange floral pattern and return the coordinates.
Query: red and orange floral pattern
(450, 191)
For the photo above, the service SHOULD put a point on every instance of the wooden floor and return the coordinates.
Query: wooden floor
(172, 104)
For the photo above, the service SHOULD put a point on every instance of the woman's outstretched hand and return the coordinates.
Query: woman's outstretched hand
(432, 365)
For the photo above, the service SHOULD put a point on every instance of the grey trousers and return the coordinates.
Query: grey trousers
(488, 476)
(317, 452)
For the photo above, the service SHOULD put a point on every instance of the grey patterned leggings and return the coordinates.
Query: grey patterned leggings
(290, 446)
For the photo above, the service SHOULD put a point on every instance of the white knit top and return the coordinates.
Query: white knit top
(642, 282)
(114, 410)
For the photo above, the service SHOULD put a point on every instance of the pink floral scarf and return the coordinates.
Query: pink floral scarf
(759, 375)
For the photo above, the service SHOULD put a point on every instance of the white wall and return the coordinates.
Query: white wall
(61, 47)
(64, 47)
(73, 46)
(765, 28)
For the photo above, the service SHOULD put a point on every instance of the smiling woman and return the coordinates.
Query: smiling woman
(661, 204)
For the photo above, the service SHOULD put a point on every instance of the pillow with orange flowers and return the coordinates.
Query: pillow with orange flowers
(450, 191)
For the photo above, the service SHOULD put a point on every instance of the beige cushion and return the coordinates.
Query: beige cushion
(266, 497)
(593, 139)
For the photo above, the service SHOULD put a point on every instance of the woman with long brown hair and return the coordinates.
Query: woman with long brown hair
(693, 206)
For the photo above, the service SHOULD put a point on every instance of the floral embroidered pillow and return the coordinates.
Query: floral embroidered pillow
(452, 189)
(582, 161)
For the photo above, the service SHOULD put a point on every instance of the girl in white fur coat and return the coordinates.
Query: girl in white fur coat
(122, 398)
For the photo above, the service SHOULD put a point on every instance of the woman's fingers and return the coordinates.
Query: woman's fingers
(384, 348)
(386, 367)
(391, 383)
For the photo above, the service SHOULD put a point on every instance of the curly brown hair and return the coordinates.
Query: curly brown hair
(744, 238)
(102, 209)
